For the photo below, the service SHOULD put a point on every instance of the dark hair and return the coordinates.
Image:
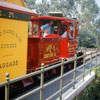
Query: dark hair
(74, 18)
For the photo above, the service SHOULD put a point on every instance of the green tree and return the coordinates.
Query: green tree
(86, 39)
(86, 11)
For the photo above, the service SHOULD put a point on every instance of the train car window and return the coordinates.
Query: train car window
(44, 27)
(63, 28)
(34, 29)
(73, 31)
(71, 28)
(55, 29)
(29, 28)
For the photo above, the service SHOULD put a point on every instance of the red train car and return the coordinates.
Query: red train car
(50, 49)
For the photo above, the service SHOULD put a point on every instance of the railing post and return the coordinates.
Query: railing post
(74, 74)
(61, 79)
(7, 87)
(96, 59)
(42, 81)
(84, 64)
(91, 63)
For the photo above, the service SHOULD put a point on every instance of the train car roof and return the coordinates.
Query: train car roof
(16, 8)
(48, 18)
(70, 21)
(54, 18)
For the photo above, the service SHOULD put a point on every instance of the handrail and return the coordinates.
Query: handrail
(93, 57)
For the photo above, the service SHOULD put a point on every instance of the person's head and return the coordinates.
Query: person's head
(51, 22)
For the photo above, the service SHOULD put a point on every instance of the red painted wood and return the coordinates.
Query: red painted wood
(53, 47)
(16, 8)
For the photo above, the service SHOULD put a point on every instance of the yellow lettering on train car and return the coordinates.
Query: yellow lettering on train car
(49, 55)
(50, 51)
(71, 48)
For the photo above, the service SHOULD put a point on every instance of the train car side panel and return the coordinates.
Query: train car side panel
(13, 48)
(42, 50)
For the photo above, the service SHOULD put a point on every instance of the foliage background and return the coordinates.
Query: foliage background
(91, 92)
(86, 11)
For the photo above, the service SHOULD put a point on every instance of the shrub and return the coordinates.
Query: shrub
(91, 92)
